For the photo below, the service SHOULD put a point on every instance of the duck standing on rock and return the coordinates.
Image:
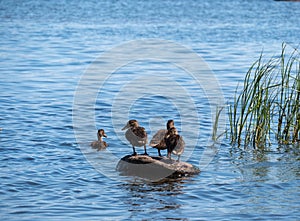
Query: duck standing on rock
(100, 144)
(136, 135)
(158, 140)
(174, 143)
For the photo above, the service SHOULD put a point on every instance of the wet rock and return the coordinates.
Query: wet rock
(154, 168)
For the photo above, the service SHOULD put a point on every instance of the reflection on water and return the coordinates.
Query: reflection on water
(278, 165)
(158, 199)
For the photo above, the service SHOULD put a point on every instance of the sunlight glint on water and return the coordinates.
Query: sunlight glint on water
(46, 47)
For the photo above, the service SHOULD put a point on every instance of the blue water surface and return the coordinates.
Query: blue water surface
(47, 46)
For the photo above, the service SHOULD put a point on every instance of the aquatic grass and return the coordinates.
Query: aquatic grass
(269, 99)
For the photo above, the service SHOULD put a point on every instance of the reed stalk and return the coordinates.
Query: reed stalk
(215, 134)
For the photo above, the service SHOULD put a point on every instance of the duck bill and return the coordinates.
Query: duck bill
(104, 135)
(126, 126)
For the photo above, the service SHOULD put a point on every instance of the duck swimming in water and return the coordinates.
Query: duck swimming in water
(100, 144)
(158, 140)
(174, 143)
(136, 135)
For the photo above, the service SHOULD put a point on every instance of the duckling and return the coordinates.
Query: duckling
(174, 143)
(136, 135)
(100, 144)
(158, 140)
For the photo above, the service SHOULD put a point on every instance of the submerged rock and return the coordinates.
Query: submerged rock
(154, 168)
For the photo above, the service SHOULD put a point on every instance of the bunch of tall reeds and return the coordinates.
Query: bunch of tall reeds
(267, 108)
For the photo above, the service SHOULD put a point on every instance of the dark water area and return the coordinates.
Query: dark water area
(48, 170)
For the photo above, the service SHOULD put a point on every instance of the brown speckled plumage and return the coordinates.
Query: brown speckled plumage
(136, 135)
(158, 140)
(100, 144)
(174, 142)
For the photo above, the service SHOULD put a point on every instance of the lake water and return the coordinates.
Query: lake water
(54, 97)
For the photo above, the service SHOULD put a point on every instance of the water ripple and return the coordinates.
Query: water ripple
(46, 47)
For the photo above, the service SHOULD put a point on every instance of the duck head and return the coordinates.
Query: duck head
(101, 133)
(172, 131)
(131, 124)
(170, 124)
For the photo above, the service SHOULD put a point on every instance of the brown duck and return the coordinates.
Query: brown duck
(136, 135)
(158, 140)
(100, 144)
(174, 142)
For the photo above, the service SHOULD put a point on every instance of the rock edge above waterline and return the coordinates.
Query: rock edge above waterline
(154, 168)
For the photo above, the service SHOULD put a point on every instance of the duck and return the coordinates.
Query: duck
(174, 142)
(100, 144)
(136, 135)
(158, 140)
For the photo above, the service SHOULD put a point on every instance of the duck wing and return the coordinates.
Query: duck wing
(100, 145)
(136, 136)
(158, 139)
(140, 132)
(171, 141)
(179, 148)
(94, 144)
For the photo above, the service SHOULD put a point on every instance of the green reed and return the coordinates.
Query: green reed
(215, 134)
(268, 105)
